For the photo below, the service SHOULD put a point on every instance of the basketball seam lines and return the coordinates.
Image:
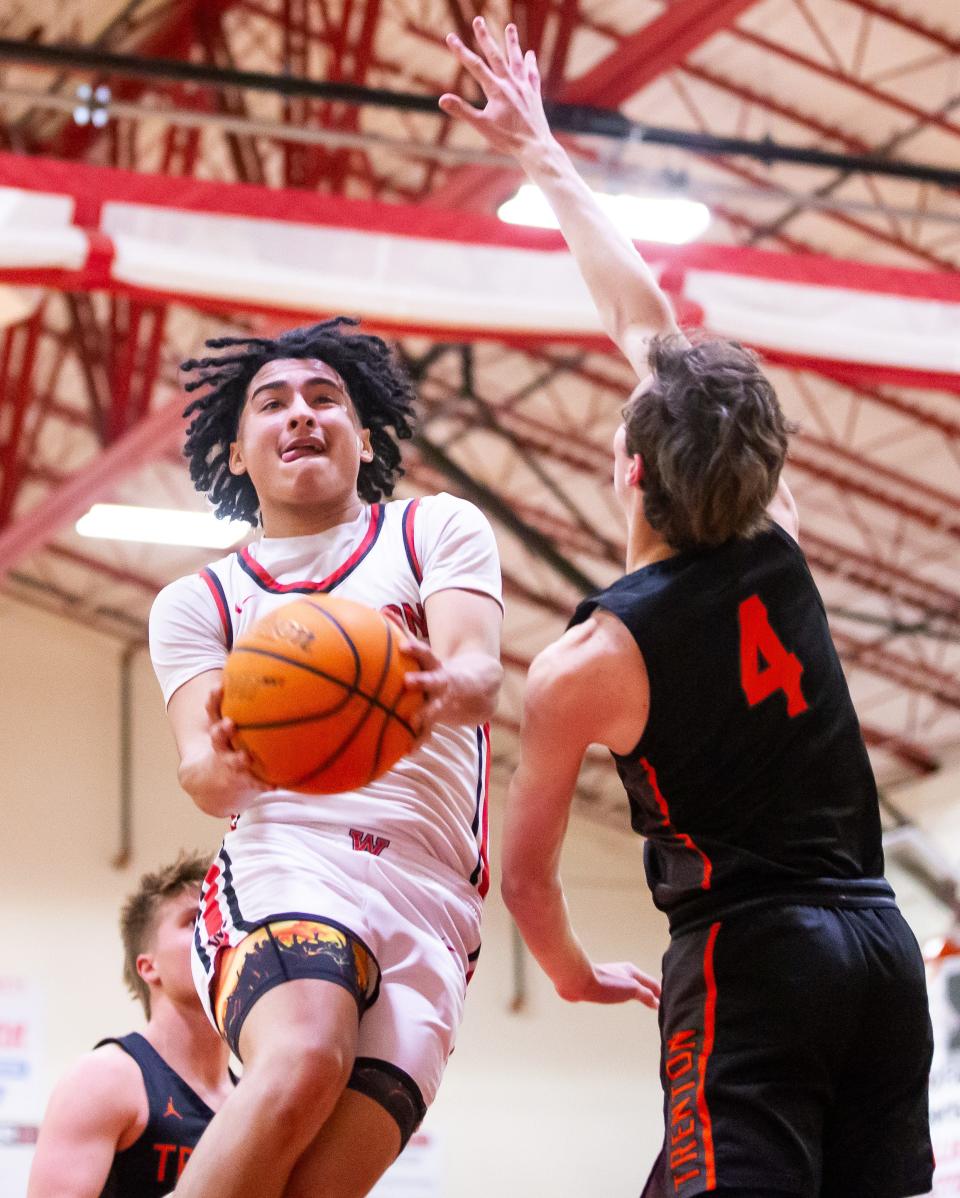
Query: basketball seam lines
(372, 701)
(353, 690)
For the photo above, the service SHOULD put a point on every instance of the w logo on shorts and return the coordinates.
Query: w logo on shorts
(367, 842)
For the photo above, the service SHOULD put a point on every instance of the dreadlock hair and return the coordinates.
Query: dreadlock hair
(380, 389)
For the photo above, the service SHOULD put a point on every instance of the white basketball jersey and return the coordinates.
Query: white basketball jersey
(392, 557)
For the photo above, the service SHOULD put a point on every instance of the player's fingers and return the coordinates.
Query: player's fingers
(474, 65)
(646, 989)
(221, 733)
(422, 653)
(395, 620)
(239, 760)
(422, 726)
(431, 682)
(434, 710)
(214, 700)
(514, 53)
(490, 46)
(650, 983)
(533, 71)
(650, 998)
(460, 110)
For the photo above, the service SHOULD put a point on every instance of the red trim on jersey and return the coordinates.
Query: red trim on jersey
(484, 883)
(269, 583)
(212, 915)
(216, 590)
(409, 516)
(681, 836)
(709, 1025)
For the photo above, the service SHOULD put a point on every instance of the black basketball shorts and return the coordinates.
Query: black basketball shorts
(795, 1054)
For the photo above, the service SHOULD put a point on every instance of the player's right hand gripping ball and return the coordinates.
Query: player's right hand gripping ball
(316, 691)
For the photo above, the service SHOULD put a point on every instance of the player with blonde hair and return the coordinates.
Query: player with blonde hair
(125, 1119)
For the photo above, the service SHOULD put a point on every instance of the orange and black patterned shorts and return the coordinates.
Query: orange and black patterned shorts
(285, 950)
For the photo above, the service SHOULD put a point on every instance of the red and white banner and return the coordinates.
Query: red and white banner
(410, 268)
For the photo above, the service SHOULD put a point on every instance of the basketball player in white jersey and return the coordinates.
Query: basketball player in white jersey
(336, 933)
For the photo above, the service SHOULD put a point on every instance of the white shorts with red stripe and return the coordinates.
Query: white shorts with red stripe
(418, 919)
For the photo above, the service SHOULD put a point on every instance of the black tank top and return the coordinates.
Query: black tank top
(751, 782)
(149, 1168)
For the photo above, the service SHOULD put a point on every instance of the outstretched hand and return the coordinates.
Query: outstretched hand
(513, 121)
(617, 982)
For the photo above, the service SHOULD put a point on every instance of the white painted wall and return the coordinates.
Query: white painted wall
(554, 1099)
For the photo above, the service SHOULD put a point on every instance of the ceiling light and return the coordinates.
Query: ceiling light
(160, 526)
(671, 219)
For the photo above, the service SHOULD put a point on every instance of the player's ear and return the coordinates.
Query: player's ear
(236, 459)
(363, 441)
(146, 968)
(635, 471)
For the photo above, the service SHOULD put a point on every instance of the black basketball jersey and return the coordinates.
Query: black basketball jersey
(751, 782)
(149, 1168)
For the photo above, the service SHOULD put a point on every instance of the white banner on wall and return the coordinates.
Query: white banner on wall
(21, 1092)
(943, 983)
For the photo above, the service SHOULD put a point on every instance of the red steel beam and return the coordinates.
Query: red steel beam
(759, 180)
(169, 40)
(652, 50)
(907, 751)
(912, 497)
(838, 218)
(635, 62)
(19, 352)
(919, 415)
(244, 150)
(881, 577)
(743, 91)
(143, 443)
(828, 72)
(912, 675)
(147, 586)
(911, 24)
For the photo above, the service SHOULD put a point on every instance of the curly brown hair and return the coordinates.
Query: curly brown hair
(139, 913)
(713, 440)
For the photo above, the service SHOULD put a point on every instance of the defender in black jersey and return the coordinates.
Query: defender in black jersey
(124, 1120)
(795, 1038)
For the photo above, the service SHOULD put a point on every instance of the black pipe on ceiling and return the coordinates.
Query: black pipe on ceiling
(564, 118)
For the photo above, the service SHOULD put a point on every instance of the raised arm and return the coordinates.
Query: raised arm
(631, 305)
(96, 1109)
(588, 688)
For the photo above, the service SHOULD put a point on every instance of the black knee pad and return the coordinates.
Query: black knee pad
(394, 1090)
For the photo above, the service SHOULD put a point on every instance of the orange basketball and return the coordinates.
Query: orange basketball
(315, 689)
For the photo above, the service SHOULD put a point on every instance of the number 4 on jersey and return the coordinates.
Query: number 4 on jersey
(782, 669)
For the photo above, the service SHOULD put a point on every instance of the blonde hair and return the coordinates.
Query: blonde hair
(139, 913)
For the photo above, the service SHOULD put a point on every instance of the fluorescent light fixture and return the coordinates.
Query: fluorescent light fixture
(671, 219)
(160, 526)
